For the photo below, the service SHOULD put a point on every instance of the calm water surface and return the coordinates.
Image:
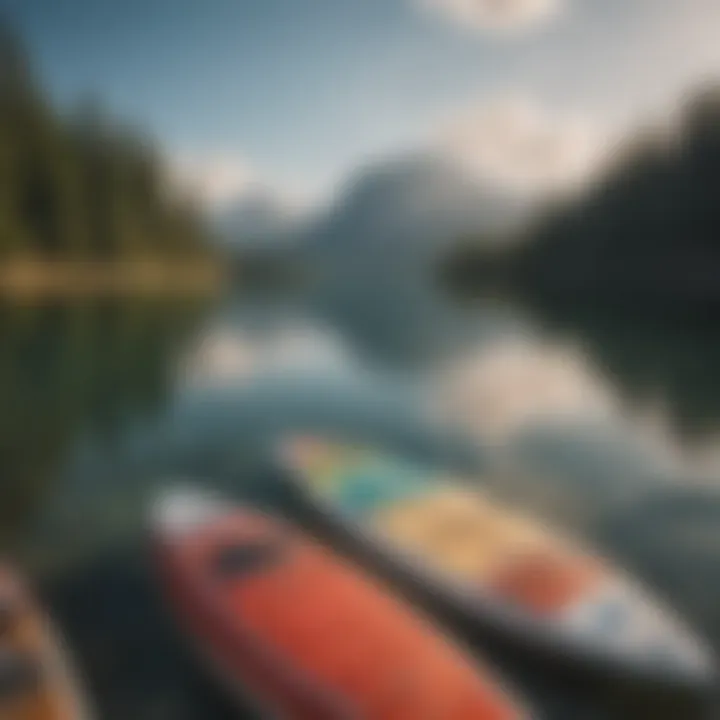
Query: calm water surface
(607, 427)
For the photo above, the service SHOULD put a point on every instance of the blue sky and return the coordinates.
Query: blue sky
(299, 92)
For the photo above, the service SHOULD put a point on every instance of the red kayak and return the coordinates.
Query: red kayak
(305, 635)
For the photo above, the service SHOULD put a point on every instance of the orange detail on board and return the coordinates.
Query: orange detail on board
(547, 584)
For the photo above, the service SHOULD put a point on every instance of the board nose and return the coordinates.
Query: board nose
(181, 509)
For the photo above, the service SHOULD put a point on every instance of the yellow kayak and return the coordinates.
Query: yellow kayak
(36, 682)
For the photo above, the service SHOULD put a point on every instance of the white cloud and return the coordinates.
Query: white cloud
(214, 179)
(518, 144)
(495, 15)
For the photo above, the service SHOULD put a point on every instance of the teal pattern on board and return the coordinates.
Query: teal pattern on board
(370, 485)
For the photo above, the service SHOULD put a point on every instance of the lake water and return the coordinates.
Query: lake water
(606, 426)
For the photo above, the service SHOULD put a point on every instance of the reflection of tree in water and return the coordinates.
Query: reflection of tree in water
(641, 241)
(672, 537)
(653, 359)
(102, 605)
(77, 369)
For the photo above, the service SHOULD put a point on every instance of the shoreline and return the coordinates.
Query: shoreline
(40, 277)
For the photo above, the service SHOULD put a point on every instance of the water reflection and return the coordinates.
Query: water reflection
(101, 403)
(668, 361)
(238, 354)
(76, 370)
(494, 390)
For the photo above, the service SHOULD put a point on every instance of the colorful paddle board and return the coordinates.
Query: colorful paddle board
(495, 566)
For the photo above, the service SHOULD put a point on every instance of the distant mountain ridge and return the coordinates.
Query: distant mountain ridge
(255, 219)
(413, 203)
(418, 200)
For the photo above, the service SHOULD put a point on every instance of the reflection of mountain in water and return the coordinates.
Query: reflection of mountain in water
(375, 253)
(73, 370)
(653, 361)
(642, 241)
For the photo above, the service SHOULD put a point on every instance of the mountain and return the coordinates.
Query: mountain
(403, 209)
(257, 219)
(374, 255)
(396, 209)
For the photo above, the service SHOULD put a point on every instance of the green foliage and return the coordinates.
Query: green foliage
(83, 186)
(650, 230)
(78, 369)
(647, 233)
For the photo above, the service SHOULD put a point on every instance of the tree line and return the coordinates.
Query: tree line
(648, 231)
(79, 184)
